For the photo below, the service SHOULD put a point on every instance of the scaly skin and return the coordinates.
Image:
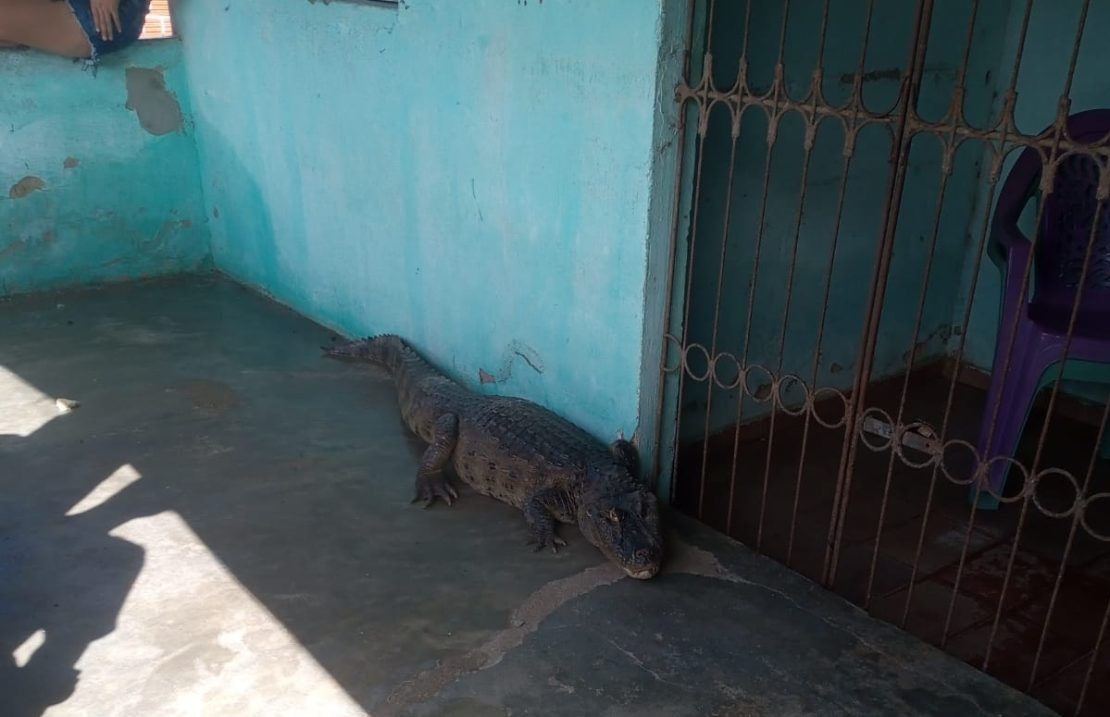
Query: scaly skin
(522, 454)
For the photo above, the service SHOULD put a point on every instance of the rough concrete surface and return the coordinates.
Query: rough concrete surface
(218, 523)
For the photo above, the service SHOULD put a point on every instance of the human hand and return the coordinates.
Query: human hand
(106, 17)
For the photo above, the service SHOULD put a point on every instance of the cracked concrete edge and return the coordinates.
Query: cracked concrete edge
(526, 619)
(523, 621)
(685, 558)
(895, 645)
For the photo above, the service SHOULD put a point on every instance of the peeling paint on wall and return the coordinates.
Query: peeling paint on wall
(158, 110)
(91, 204)
(26, 186)
(514, 350)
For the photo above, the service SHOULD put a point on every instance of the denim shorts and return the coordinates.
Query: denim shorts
(132, 15)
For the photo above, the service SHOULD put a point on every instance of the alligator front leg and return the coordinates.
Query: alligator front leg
(626, 454)
(541, 511)
(430, 481)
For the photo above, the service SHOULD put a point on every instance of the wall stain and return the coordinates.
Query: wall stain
(474, 193)
(26, 186)
(14, 248)
(921, 350)
(20, 245)
(157, 108)
(512, 351)
(164, 233)
(211, 397)
(894, 74)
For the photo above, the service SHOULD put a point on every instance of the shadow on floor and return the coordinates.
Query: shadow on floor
(291, 478)
(49, 615)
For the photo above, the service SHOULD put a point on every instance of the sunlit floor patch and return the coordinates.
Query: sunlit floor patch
(23, 408)
(191, 640)
(124, 476)
(23, 654)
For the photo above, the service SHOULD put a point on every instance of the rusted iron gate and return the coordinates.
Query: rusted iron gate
(867, 429)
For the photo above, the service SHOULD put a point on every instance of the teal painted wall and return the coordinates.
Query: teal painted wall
(787, 302)
(86, 194)
(475, 176)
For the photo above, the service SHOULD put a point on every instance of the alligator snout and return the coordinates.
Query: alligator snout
(644, 566)
(642, 574)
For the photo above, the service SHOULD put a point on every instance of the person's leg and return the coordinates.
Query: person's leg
(47, 25)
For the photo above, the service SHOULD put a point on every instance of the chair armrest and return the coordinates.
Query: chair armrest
(1018, 250)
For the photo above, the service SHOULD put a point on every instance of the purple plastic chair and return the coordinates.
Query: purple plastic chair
(1042, 320)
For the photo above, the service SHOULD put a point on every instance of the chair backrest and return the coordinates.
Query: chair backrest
(1066, 228)
(1068, 212)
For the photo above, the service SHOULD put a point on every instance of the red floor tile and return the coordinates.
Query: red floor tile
(1062, 691)
(1014, 647)
(942, 544)
(854, 573)
(798, 488)
(929, 610)
(1031, 578)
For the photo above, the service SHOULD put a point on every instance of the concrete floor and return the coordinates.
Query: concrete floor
(223, 528)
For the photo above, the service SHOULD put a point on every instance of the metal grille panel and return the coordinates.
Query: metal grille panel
(809, 371)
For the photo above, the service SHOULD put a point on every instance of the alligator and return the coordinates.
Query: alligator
(520, 453)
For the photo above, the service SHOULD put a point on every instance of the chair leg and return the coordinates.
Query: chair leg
(1013, 394)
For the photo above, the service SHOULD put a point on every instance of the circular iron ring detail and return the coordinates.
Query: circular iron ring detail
(788, 380)
(677, 346)
(768, 387)
(1039, 478)
(900, 447)
(714, 366)
(863, 435)
(1083, 517)
(944, 461)
(985, 467)
(816, 400)
(686, 362)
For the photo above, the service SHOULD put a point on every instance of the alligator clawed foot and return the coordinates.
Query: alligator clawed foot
(428, 488)
(542, 540)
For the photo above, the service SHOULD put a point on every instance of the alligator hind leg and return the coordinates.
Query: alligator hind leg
(431, 483)
(541, 511)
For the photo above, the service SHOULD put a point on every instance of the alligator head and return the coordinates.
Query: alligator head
(620, 516)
